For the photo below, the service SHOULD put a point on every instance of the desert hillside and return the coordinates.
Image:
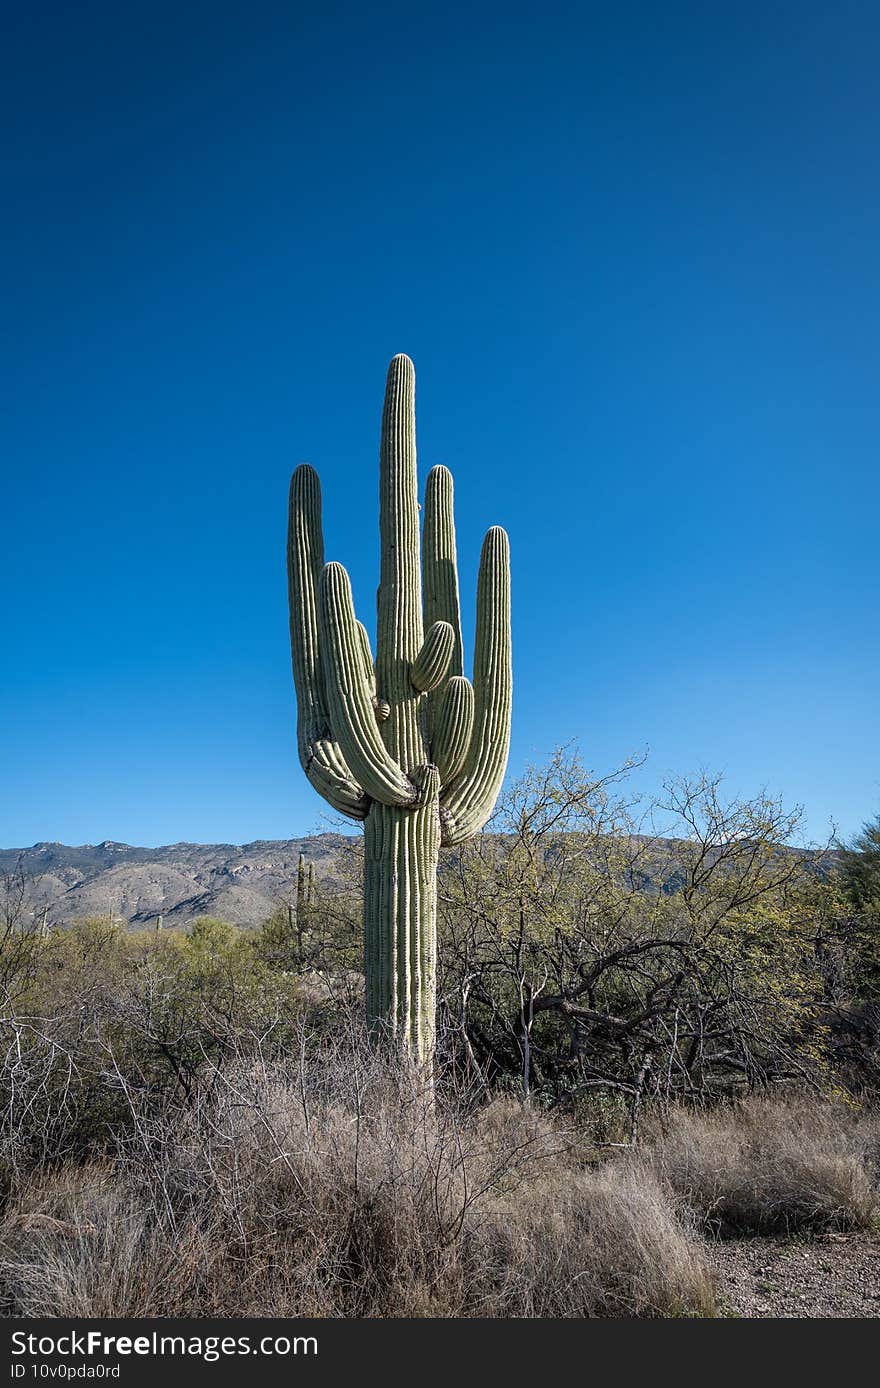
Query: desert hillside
(241, 883)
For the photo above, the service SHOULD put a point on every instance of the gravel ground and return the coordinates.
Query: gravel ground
(829, 1275)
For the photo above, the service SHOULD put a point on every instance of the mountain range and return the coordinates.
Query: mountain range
(241, 883)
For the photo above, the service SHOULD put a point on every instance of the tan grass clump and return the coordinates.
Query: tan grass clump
(771, 1166)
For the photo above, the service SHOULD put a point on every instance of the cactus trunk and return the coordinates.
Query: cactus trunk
(407, 745)
(401, 849)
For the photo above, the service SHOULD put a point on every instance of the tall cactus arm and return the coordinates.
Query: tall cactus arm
(399, 627)
(367, 656)
(453, 728)
(380, 708)
(432, 662)
(439, 562)
(468, 801)
(350, 696)
(322, 760)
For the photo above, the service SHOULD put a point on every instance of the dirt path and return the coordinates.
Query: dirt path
(830, 1275)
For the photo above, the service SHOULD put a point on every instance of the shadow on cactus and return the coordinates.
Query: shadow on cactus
(405, 743)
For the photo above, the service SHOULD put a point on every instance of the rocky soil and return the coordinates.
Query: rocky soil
(832, 1275)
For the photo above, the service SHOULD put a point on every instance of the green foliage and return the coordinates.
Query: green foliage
(860, 865)
(853, 911)
(111, 1016)
(208, 938)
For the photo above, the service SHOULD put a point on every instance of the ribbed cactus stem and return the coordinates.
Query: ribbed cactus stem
(320, 755)
(405, 743)
(350, 698)
(432, 662)
(300, 889)
(440, 574)
(439, 560)
(453, 727)
(399, 625)
(400, 922)
(471, 796)
(367, 660)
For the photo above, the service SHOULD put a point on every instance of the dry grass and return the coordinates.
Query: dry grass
(340, 1187)
(337, 1185)
(345, 1190)
(602, 1243)
(82, 1244)
(772, 1166)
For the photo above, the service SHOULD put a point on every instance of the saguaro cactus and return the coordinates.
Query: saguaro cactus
(407, 744)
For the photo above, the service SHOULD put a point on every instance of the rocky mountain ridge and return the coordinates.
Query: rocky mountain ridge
(242, 883)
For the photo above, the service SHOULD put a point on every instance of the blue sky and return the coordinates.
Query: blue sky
(632, 250)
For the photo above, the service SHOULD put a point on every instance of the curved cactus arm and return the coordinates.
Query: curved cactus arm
(350, 697)
(467, 802)
(453, 726)
(331, 777)
(399, 627)
(431, 665)
(439, 562)
(321, 758)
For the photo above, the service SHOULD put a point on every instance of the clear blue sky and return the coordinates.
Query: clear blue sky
(633, 252)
